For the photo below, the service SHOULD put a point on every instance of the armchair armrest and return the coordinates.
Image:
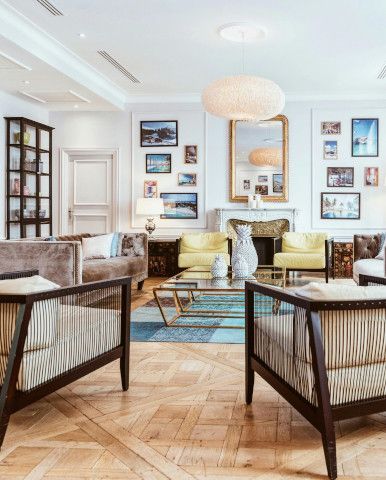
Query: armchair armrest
(277, 245)
(19, 274)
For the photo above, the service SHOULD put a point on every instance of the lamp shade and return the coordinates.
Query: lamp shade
(266, 157)
(243, 97)
(150, 206)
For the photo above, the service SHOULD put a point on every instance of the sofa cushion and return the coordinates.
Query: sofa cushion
(300, 260)
(97, 247)
(297, 242)
(214, 242)
(186, 260)
(106, 269)
(368, 266)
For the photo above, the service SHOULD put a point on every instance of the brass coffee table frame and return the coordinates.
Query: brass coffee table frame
(263, 274)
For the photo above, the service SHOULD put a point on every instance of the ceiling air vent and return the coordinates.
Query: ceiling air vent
(382, 73)
(50, 7)
(118, 66)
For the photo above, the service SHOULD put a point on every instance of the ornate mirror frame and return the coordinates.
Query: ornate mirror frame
(233, 197)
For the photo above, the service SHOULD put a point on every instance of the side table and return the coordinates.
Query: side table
(163, 256)
(343, 257)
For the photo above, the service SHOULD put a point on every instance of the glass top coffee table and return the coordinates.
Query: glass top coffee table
(194, 294)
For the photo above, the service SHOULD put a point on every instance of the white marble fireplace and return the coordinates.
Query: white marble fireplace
(254, 215)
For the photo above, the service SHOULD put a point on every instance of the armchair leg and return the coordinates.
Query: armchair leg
(140, 284)
(4, 419)
(249, 384)
(326, 274)
(124, 373)
(329, 447)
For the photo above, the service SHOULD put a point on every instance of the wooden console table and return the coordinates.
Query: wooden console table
(163, 256)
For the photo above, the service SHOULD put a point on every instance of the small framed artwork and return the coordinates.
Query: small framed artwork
(364, 137)
(261, 189)
(159, 133)
(340, 177)
(187, 179)
(158, 163)
(180, 206)
(150, 189)
(247, 184)
(330, 150)
(190, 154)
(371, 176)
(330, 128)
(342, 206)
(262, 178)
(277, 183)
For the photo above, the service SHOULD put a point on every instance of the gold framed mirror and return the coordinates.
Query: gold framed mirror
(259, 159)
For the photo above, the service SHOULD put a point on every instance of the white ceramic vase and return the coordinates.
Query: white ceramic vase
(240, 267)
(219, 268)
(244, 247)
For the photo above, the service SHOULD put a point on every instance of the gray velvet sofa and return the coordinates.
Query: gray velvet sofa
(61, 260)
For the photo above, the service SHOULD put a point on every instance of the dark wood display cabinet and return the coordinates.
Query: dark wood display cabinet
(29, 178)
(163, 257)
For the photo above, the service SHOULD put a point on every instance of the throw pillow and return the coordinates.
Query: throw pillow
(114, 245)
(97, 247)
(44, 315)
(138, 247)
(381, 253)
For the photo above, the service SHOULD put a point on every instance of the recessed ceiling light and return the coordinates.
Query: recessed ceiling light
(242, 32)
(82, 35)
(76, 106)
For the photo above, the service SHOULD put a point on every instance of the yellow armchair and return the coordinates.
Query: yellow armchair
(200, 249)
(305, 252)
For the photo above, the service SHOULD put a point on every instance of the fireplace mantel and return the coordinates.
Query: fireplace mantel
(254, 215)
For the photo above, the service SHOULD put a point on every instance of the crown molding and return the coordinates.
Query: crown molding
(21, 31)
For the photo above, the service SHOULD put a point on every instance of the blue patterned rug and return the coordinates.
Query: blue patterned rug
(147, 324)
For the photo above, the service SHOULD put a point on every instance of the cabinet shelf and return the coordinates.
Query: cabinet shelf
(28, 179)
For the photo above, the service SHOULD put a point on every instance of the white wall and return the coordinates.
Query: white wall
(11, 106)
(113, 129)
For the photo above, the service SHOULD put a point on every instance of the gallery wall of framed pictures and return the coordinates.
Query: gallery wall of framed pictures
(168, 162)
(349, 168)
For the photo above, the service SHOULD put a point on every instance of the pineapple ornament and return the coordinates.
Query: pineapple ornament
(245, 248)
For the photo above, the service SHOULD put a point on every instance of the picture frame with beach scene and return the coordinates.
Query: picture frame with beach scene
(158, 163)
(179, 206)
(340, 206)
(364, 137)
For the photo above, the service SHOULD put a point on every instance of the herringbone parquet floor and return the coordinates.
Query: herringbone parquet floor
(183, 418)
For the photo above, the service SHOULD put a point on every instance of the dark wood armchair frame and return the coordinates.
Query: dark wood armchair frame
(328, 262)
(11, 399)
(178, 241)
(324, 415)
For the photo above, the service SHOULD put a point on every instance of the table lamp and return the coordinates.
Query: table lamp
(150, 207)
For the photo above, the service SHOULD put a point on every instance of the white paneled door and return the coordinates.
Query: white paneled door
(89, 192)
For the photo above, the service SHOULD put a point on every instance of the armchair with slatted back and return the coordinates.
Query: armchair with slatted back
(327, 358)
(51, 338)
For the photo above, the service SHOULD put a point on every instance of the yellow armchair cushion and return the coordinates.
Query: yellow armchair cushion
(214, 242)
(296, 242)
(186, 260)
(310, 261)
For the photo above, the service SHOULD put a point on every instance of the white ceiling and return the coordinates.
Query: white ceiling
(323, 49)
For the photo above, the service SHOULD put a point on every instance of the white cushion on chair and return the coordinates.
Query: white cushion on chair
(42, 326)
(368, 266)
(331, 292)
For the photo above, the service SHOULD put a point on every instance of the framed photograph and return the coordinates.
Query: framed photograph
(262, 178)
(180, 206)
(277, 183)
(261, 189)
(330, 128)
(247, 184)
(159, 133)
(150, 189)
(158, 163)
(190, 154)
(371, 176)
(187, 179)
(330, 150)
(364, 137)
(340, 177)
(342, 206)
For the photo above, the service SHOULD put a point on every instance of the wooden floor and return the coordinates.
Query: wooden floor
(183, 418)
